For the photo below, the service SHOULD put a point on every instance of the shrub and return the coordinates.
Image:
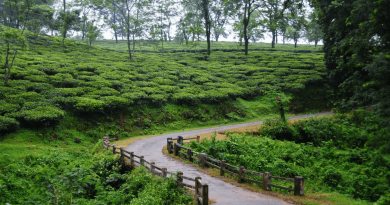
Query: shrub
(87, 104)
(24, 97)
(114, 102)
(135, 96)
(38, 114)
(184, 98)
(8, 107)
(158, 99)
(105, 91)
(8, 124)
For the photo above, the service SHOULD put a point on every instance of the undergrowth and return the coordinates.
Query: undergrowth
(88, 176)
(332, 154)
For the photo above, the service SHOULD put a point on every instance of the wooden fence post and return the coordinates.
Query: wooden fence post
(241, 174)
(201, 160)
(169, 146)
(117, 136)
(196, 189)
(205, 194)
(132, 159)
(176, 149)
(122, 156)
(179, 179)
(198, 139)
(189, 152)
(113, 149)
(164, 172)
(299, 186)
(222, 167)
(152, 169)
(141, 160)
(205, 160)
(180, 140)
(267, 181)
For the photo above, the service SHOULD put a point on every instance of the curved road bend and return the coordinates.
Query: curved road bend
(221, 192)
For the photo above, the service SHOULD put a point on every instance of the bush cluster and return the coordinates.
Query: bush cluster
(63, 177)
(315, 152)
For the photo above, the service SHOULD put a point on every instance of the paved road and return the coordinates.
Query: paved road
(222, 192)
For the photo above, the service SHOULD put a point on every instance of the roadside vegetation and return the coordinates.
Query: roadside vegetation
(79, 176)
(334, 154)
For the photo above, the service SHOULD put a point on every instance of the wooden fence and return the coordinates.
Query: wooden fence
(205, 161)
(127, 158)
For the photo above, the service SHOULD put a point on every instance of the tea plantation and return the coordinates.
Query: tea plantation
(47, 81)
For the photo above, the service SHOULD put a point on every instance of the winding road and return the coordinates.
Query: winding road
(220, 191)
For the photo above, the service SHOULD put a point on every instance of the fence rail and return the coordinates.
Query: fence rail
(205, 161)
(201, 189)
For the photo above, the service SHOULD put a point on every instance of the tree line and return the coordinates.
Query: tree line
(154, 20)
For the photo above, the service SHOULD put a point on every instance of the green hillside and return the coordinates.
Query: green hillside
(49, 81)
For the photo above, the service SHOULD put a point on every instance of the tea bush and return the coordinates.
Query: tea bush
(8, 124)
(38, 114)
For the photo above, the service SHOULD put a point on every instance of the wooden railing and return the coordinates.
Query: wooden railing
(205, 161)
(130, 159)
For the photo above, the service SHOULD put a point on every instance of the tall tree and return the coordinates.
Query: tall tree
(93, 32)
(357, 49)
(12, 41)
(206, 15)
(245, 9)
(219, 14)
(313, 30)
(274, 12)
(297, 27)
(254, 29)
(87, 12)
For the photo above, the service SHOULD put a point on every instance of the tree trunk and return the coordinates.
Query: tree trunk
(246, 22)
(82, 38)
(185, 36)
(133, 46)
(276, 36)
(115, 30)
(128, 29)
(295, 39)
(315, 44)
(207, 23)
(273, 38)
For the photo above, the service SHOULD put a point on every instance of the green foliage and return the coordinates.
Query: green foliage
(350, 170)
(11, 41)
(357, 53)
(87, 104)
(8, 124)
(37, 114)
(56, 176)
(344, 132)
(8, 107)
